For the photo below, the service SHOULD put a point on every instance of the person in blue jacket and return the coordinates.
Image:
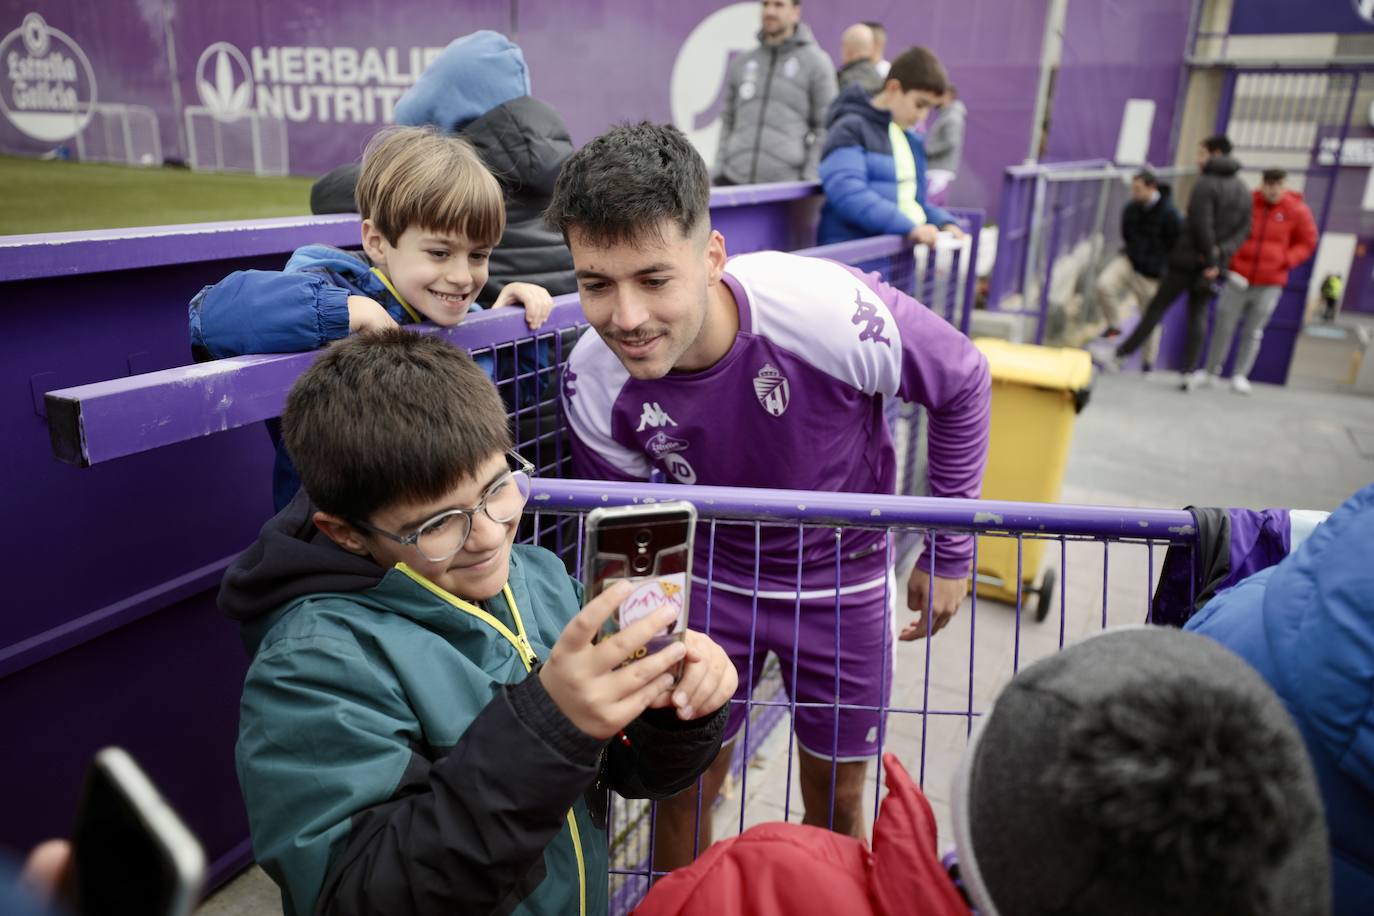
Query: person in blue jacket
(1307, 625)
(873, 168)
(432, 213)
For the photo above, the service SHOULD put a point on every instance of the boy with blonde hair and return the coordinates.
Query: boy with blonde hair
(432, 213)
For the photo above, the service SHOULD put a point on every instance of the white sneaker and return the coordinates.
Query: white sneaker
(1194, 380)
(1240, 384)
(1108, 362)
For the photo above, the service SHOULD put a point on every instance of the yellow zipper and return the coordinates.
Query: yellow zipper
(414, 315)
(521, 641)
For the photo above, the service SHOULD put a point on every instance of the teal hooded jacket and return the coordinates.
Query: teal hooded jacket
(395, 753)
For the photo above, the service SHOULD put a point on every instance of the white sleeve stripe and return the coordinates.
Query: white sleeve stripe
(824, 314)
(598, 378)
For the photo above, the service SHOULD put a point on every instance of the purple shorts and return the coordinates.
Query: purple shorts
(853, 677)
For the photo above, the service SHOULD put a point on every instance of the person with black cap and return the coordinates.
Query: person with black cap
(1143, 770)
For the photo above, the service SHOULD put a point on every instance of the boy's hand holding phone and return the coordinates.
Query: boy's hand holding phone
(584, 678)
(536, 300)
(708, 679)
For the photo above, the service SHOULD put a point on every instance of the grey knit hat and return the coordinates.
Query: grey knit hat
(1142, 771)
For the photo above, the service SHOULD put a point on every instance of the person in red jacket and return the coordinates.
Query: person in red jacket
(1282, 236)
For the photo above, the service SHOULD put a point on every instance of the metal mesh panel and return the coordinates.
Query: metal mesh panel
(939, 686)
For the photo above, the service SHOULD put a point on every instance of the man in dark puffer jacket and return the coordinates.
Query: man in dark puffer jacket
(479, 88)
(1218, 222)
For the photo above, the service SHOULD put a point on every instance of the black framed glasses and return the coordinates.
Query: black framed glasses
(442, 536)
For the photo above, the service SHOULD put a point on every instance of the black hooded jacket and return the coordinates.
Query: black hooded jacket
(1218, 218)
(467, 825)
(1149, 233)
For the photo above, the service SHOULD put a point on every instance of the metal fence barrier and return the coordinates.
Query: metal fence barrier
(1057, 223)
(939, 685)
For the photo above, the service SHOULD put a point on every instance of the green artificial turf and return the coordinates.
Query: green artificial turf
(54, 196)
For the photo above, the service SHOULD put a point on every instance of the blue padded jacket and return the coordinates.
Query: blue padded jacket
(859, 175)
(1307, 625)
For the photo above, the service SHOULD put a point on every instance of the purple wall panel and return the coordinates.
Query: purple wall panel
(167, 689)
(1116, 50)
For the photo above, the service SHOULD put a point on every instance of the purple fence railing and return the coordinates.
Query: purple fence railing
(938, 686)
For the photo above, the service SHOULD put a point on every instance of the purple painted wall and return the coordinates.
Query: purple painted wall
(1116, 50)
(320, 78)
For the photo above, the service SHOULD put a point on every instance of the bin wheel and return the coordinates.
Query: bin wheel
(1044, 595)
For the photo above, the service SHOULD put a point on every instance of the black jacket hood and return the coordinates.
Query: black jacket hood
(524, 142)
(1225, 166)
(854, 99)
(291, 559)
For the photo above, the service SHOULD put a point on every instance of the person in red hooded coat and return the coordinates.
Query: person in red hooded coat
(1282, 236)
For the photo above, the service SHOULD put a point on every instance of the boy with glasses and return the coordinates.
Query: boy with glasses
(427, 726)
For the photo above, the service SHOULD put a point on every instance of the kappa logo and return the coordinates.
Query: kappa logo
(661, 444)
(224, 81)
(867, 315)
(653, 417)
(569, 384)
(772, 390)
(680, 469)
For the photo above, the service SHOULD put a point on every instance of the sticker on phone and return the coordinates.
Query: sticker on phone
(650, 595)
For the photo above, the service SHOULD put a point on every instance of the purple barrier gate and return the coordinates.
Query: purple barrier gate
(120, 594)
(935, 693)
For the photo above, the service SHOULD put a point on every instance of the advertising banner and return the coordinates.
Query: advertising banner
(298, 86)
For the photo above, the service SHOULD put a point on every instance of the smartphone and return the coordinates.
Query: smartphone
(130, 851)
(651, 547)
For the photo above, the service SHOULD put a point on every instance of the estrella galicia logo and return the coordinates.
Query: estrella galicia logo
(660, 444)
(867, 315)
(772, 390)
(224, 82)
(51, 89)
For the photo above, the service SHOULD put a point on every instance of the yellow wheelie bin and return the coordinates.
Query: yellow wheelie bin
(1036, 393)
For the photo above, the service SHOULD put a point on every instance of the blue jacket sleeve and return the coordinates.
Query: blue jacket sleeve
(844, 178)
(262, 311)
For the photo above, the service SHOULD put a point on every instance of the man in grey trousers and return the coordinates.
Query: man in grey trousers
(776, 101)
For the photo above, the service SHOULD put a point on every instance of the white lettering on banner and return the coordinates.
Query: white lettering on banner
(1356, 151)
(51, 92)
(316, 83)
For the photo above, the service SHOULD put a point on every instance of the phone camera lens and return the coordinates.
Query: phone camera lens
(643, 537)
(640, 564)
